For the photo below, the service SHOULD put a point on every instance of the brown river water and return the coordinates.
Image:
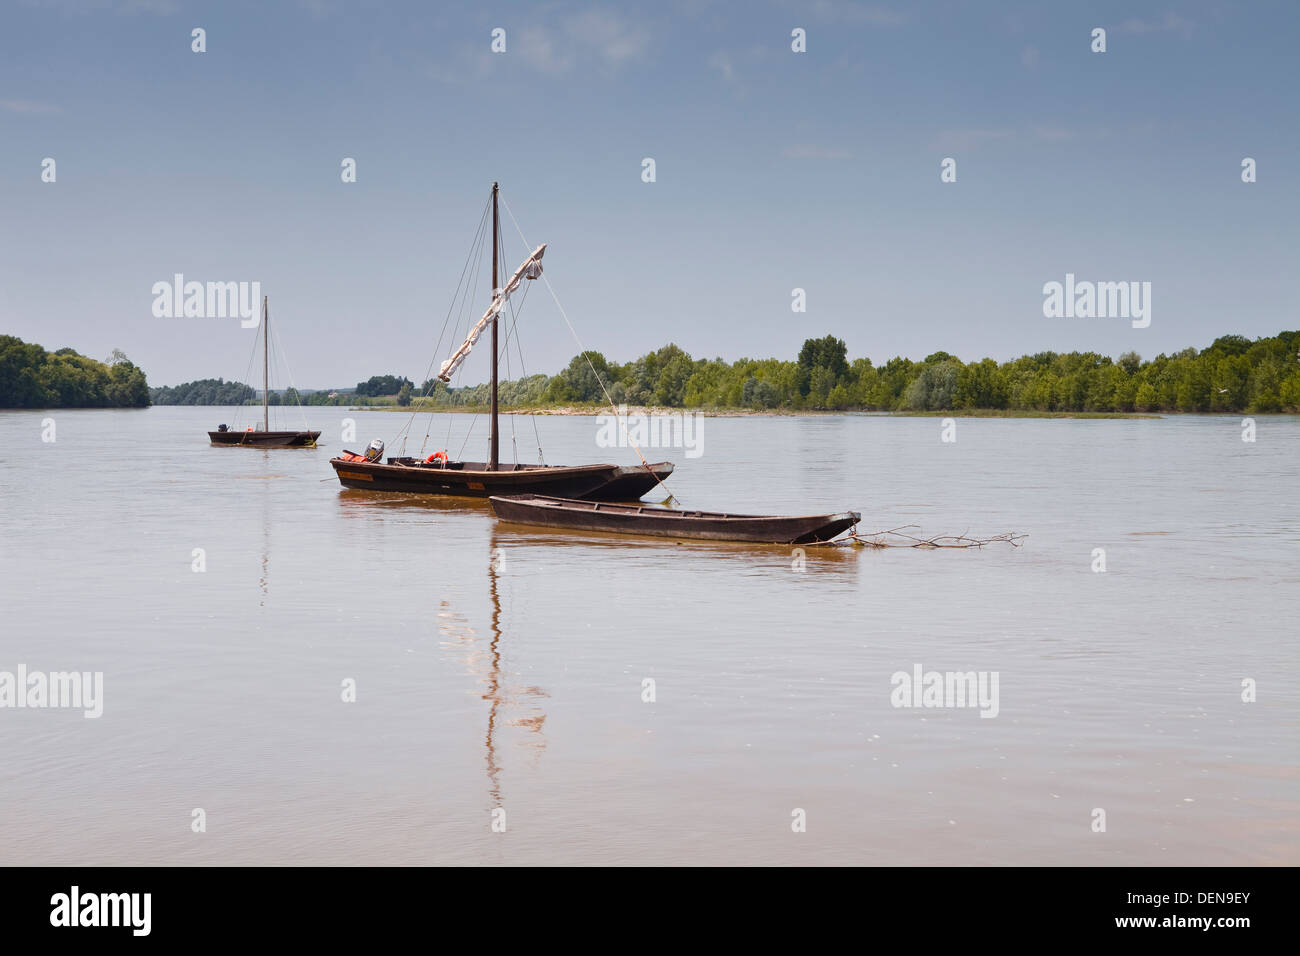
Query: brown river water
(502, 668)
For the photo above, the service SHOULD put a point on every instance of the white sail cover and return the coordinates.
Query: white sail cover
(531, 269)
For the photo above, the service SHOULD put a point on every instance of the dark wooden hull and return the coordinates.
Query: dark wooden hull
(473, 480)
(255, 439)
(552, 512)
(631, 482)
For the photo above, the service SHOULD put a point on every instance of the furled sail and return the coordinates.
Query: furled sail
(531, 269)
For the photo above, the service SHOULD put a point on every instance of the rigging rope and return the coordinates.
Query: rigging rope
(248, 373)
(283, 361)
(513, 331)
(478, 236)
(476, 255)
(514, 443)
(467, 317)
(586, 356)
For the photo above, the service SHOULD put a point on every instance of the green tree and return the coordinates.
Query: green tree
(982, 385)
(31, 377)
(378, 385)
(581, 380)
(827, 352)
(670, 385)
(935, 389)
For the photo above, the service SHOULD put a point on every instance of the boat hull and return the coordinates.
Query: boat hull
(552, 512)
(255, 439)
(473, 480)
(631, 482)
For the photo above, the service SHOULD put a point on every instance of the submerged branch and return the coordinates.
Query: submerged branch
(899, 538)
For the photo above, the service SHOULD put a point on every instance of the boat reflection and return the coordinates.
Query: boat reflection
(358, 499)
(813, 557)
(511, 705)
(822, 557)
(264, 582)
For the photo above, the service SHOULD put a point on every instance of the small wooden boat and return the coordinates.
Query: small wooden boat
(263, 437)
(477, 479)
(258, 438)
(589, 515)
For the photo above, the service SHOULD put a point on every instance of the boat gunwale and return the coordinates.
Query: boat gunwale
(513, 470)
(555, 503)
(259, 432)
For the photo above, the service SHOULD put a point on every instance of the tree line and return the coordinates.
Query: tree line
(206, 391)
(31, 377)
(378, 385)
(216, 391)
(1234, 374)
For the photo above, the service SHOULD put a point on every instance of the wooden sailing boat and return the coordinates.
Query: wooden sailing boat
(264, 437)
(437, 475)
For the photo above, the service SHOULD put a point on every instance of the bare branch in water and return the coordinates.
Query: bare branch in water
(899, 538)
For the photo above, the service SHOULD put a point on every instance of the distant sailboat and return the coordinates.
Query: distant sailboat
(439, 475)
(264, 438)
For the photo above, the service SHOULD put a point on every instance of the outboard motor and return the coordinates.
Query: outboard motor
(375, 451)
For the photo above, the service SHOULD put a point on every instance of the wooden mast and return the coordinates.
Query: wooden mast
(494, 451)
(266, 361)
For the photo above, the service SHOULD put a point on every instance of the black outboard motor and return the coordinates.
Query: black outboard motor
(376, 450)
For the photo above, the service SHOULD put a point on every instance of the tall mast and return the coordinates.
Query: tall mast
(266, 361)
(496, 225)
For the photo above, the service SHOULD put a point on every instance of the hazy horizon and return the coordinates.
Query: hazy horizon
(418, 381)
(775, 170)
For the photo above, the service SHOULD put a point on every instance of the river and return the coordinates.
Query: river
(496, 667)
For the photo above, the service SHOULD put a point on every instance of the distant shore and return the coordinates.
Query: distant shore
(649, 410)
(1233, 375)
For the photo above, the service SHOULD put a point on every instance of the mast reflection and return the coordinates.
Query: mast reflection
(510, 705)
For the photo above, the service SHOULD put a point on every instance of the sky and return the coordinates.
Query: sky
(775, 170)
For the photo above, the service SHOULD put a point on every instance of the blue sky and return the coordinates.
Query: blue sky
(775, 170)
